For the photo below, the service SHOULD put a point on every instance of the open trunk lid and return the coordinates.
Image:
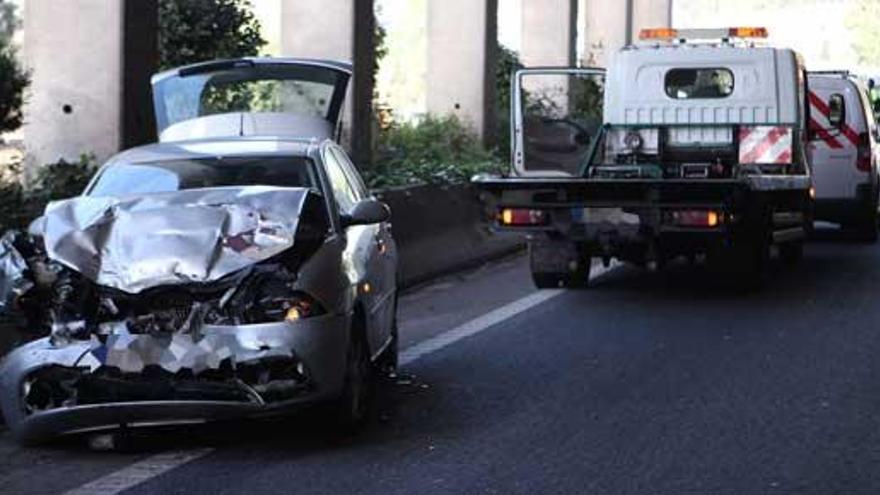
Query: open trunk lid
(281, 97)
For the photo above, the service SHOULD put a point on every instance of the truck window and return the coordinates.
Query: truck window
(695, 83)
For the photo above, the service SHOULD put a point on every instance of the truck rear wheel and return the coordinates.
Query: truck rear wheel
(867, 231)
(791, 253)
(573, 274)
(574, 280)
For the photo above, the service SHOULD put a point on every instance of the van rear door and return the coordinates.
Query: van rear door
(833, 150)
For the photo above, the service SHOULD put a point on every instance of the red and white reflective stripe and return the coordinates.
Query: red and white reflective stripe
(820, 125)
(765, 144)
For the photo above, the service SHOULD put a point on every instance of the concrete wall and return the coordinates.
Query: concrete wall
(74, 53)
(460, 79)
(439, 230)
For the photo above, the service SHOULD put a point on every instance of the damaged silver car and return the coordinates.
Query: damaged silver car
(237, 268)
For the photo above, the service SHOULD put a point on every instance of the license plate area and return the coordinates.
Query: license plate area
(604, 216)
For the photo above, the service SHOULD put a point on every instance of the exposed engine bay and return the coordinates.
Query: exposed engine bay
(144, 299)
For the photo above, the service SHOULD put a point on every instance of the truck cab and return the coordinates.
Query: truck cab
(693, 143)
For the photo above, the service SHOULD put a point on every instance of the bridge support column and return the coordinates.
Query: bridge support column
(549, 32)
(612, 24)
(338, 30)
(462, 40)
(90, 64)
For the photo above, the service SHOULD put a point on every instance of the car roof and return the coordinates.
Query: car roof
(208, 148)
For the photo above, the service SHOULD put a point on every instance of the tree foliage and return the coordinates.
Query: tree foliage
(9, 21)
(13, 78)
(197, 30)
(862, 19)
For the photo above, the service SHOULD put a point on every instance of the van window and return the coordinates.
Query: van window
(695, 83)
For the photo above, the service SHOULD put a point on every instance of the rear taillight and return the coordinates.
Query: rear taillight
(694, 218)
(522, 217)
(863, 159)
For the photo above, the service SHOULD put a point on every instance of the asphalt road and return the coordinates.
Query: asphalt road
(647, 383)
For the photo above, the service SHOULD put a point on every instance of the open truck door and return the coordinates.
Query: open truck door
(556, 117)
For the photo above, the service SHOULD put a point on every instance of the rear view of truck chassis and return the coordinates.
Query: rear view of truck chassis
(701, 153)
(649, 222)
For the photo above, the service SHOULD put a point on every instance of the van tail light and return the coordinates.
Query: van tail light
(863, 158)
(522, 217)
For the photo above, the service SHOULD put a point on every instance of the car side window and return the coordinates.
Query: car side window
(350, 170)
(343, 192)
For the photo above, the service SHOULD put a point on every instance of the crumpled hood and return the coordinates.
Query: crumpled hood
(200, 235)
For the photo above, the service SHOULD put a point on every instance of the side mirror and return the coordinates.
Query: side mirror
(367, 212)
(837, 110)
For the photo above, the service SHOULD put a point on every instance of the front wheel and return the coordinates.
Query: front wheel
(351, 409)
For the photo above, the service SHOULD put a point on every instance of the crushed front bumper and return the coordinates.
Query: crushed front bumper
(226, 372)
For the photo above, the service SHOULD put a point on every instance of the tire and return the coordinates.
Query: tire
(386, 363)
(867, 232)
(352, 408)
(577, 279)
(791, 253)
(747, 267)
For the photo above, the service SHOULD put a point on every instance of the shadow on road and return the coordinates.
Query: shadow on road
(822, 264)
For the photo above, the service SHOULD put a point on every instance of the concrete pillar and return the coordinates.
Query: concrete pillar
(90, 64)
(650, 14)
(612, 24)
(549, 32)
(606, 30)
(462, 41)
(338, 30)
(318, 29)
(74, 53)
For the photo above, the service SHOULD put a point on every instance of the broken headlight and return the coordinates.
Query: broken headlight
(270, 299)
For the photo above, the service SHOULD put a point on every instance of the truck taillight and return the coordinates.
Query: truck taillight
(863, 158)
(522, 217)
(695, 218)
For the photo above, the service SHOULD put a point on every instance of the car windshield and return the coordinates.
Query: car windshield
(175, 175)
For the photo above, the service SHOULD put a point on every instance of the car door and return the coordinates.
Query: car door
(251, 96)
(370, 253)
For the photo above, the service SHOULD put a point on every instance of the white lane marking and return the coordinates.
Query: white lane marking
(486, 321)
(139, 472)
(158, 464)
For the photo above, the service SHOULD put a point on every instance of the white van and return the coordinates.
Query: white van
(843, 152)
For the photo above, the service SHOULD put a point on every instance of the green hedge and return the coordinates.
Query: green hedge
(434, 150)
(20, 203)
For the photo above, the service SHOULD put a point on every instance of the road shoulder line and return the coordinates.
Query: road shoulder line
(487, 321)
